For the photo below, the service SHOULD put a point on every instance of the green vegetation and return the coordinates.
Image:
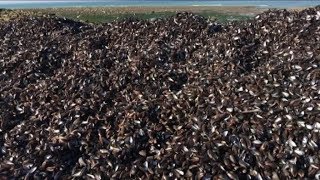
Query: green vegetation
(102, 18)
(108, 15)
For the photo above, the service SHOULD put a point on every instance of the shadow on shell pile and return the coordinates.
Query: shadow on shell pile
(181, 97)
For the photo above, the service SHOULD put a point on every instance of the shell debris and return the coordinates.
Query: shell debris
(173, 98)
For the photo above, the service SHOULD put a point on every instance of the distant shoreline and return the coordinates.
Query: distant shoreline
(149, 3)
(243, 10)
(146, 9)
(107, 14)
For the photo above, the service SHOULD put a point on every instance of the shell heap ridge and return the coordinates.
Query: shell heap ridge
(182, 97)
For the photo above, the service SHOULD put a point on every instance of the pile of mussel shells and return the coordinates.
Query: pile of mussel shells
(176, 98)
